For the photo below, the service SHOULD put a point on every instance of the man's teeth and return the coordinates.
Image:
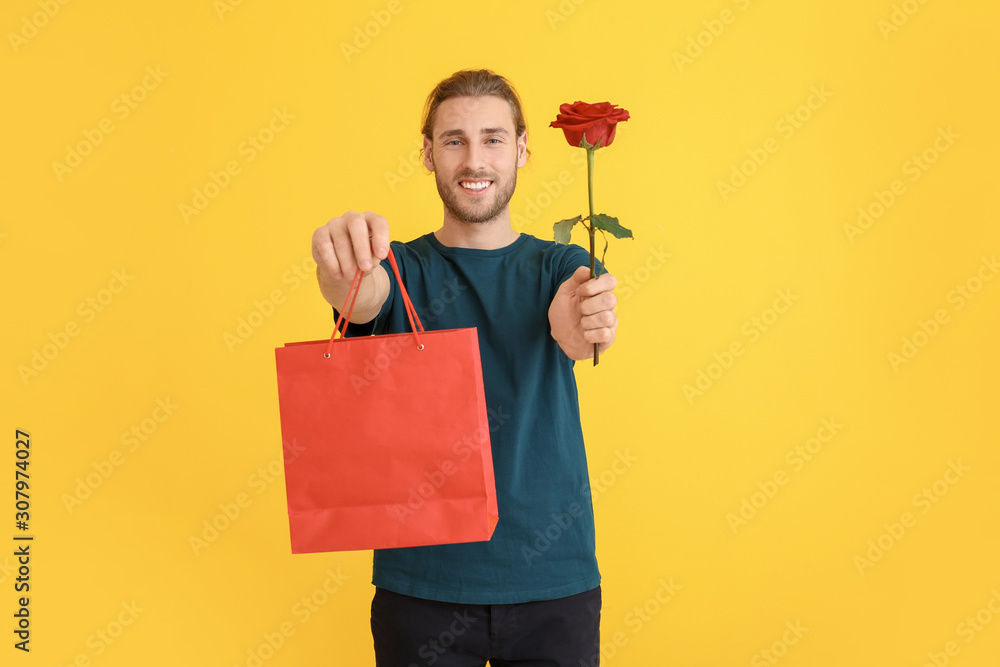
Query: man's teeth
(474, 185)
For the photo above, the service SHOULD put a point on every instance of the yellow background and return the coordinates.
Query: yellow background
(352, 118)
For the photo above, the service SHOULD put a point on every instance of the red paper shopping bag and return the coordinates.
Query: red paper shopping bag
(386, 439)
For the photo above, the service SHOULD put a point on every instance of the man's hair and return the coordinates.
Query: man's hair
(473, 83)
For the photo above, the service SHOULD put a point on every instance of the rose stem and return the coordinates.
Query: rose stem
(590, 228)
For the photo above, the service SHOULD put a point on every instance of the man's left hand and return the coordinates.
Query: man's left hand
(583, 313)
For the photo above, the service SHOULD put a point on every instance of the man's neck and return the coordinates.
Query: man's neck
(479, 235)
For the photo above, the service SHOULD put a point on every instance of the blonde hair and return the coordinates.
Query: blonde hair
(473, 83)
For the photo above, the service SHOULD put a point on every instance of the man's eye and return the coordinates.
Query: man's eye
(493, 140)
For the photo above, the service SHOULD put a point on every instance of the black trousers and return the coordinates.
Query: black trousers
(413, 632)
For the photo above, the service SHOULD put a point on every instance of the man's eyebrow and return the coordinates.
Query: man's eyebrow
(485, 130)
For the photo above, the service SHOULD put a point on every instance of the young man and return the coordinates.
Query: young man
(531, 594)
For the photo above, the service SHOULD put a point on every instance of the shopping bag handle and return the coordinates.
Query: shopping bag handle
(352, 297)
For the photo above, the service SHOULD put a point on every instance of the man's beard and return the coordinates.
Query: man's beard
(473, 212)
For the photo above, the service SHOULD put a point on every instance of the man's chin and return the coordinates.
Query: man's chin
(475, 217)
(477, 212)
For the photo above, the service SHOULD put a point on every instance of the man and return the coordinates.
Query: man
(531, 594)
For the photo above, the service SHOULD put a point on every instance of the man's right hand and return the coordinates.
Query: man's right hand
(352, 240)
(341, 246)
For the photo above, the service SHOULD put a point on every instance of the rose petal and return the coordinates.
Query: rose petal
(594, 122)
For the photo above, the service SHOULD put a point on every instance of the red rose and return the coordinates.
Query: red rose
(589, 125)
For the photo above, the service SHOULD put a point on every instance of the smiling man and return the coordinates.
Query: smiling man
(531, 594)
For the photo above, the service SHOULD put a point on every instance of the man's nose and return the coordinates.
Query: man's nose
(475, 157)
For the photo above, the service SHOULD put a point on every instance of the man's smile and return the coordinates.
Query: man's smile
(475, 187)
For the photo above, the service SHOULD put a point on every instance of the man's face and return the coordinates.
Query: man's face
(475, 156)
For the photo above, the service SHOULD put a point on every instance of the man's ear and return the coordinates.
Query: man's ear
(428, 154)
(522, 149)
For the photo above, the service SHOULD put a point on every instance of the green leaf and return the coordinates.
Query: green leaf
(609, 224)
(564, 229)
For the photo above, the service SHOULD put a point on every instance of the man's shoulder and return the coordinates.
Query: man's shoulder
(419, 244)
(556, 247)
(419, 250)
(559, 258)
(548, 246)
